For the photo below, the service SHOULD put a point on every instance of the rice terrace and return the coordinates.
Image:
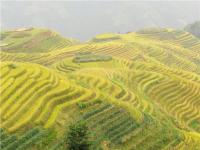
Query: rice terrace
(137, 90)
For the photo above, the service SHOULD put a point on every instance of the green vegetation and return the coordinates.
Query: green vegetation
(78, 136)
(18, 142)
(89, 57)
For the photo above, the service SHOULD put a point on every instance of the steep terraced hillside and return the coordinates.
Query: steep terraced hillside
(135, 91)
(33, 40)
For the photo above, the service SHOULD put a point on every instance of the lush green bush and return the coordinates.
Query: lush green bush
(78, 136)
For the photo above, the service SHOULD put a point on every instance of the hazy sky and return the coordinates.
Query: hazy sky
(85, 19)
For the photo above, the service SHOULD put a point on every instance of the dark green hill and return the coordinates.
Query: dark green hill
(194, 28)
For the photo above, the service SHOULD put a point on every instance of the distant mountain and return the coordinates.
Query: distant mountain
(194, 28)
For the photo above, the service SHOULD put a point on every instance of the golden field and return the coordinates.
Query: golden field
(136, 91)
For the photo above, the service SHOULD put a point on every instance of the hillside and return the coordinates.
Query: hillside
(135, 91)
(194, 28)
(33, 40)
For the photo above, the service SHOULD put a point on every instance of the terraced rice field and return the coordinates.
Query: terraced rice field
(135, 91)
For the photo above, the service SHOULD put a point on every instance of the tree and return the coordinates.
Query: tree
(78, 136)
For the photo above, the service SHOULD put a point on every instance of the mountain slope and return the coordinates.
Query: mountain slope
(135, 91)
(194, 28)
(33, 40)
